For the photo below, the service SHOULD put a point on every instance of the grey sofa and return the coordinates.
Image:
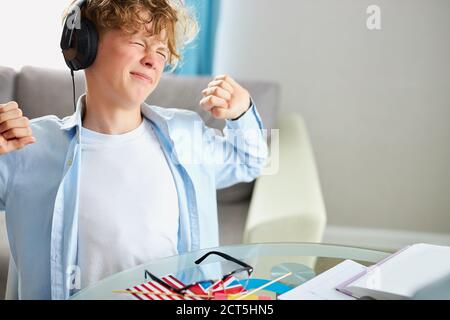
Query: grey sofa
(42, 91)
(285, 204)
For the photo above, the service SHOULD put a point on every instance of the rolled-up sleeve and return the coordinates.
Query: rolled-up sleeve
(242, 152)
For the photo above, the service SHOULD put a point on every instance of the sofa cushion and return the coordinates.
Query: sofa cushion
(45, 91)
(232, 219)
(185, 92)
(41, 92)
(7, 79)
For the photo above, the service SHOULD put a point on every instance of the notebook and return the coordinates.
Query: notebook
(419, 271)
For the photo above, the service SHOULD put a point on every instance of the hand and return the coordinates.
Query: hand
(225, 98)
(15, 131)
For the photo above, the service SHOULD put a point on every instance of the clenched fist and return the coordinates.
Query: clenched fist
(15, 131)
(225, 98)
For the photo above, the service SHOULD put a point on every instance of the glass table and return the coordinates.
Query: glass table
(270, 260)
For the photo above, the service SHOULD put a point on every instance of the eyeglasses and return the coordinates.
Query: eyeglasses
(242, 274)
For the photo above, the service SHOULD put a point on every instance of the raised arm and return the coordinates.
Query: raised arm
(241, 153)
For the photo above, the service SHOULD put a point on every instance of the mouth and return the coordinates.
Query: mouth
(142, 77)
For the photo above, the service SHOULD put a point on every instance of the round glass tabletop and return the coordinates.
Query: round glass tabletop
(269, 261)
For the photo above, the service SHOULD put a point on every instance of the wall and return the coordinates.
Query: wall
(377, 103)
(30, 33)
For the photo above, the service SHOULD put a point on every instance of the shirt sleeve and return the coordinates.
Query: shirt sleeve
(242, 152)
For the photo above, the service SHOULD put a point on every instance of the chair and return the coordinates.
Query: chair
(288, 206)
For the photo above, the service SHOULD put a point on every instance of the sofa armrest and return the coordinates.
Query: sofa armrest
(288, 206)
(12, 285)
(4, 255)
(8, 279)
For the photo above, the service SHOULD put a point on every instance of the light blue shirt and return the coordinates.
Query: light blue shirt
(39, 188)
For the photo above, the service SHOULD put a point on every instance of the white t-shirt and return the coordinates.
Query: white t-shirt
(128, 211)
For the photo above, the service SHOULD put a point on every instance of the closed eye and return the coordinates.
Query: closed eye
(140, 44)
(163, 54)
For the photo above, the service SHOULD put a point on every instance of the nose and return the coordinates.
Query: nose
(149, 60)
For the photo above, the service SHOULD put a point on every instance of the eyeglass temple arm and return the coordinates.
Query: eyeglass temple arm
(225, 256)
(155, 278)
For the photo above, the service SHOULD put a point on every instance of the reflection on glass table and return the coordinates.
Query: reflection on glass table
(268, 260)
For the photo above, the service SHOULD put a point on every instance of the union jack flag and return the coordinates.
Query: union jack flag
(152, 290)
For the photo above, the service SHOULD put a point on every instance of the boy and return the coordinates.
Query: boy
(120, 183)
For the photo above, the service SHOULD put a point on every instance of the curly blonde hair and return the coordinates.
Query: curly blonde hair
(131, 15)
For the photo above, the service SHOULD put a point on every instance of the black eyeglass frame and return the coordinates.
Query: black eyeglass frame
(244, 267)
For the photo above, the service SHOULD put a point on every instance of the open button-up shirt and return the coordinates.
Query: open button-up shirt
(39, 188)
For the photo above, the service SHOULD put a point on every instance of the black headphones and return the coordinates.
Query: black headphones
(79, 39)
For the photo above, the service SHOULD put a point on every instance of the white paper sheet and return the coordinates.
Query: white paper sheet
(323, 286)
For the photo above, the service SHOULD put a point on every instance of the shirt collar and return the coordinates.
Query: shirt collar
(159, 116)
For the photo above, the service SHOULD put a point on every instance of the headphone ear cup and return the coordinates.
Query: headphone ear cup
(83, 48)
(87, 43)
